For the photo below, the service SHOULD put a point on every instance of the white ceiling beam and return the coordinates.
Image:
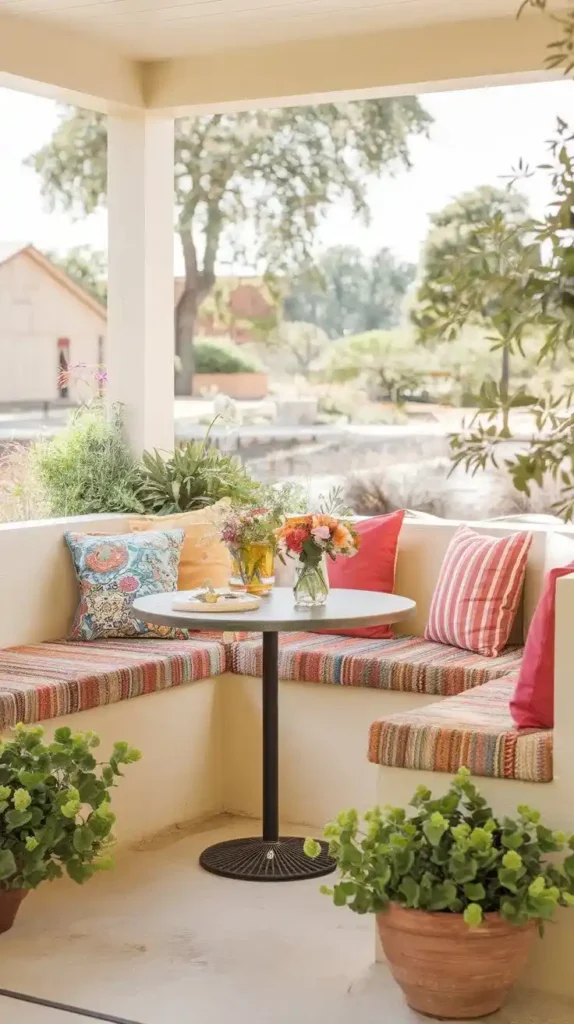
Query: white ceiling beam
(433, 57)
(69, 66)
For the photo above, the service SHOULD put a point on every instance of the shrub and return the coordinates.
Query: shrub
(214, 356)
(88, 468)
(55, 806)
(450, 855)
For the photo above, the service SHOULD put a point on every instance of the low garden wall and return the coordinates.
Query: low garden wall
(237, 385)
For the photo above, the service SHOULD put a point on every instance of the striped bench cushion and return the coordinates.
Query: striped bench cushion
(404, 663)
(474, 729)
(47, 680)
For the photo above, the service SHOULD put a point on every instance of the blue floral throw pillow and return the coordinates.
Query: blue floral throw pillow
(113, 571)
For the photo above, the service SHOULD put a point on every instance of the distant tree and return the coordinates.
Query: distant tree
(300, 345)
(87, 267)
(480, 233)
(276, 172)
(389, 362)
(346, 292)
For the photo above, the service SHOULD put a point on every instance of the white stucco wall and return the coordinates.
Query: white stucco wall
(36, 310)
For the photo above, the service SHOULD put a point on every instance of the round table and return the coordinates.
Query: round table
(271, 857)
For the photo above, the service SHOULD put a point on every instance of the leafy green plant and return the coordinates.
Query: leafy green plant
(88, 468)
(450, 855)
(55, 806)
(193, 476)
(215, 356)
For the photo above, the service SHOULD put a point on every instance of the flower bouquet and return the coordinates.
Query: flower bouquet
(250, 535)
(310, 539)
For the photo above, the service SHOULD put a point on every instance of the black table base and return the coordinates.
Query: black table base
(262, 860)
(270, 857)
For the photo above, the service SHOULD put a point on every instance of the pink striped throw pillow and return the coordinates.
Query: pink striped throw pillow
(478, 591)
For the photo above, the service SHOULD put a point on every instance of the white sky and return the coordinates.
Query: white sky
(478, 135)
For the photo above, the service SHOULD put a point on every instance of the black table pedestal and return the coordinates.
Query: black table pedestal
(270, 857)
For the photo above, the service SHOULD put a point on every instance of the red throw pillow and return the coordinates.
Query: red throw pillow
(532, 705)
(372, 568)
(478, 590)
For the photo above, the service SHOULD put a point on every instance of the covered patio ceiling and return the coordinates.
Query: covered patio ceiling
(205, 54)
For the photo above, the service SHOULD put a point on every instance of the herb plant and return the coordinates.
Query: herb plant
(88, 468)
(450, 855)
(55, 806)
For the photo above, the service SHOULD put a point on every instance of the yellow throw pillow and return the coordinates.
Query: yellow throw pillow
(203, 555)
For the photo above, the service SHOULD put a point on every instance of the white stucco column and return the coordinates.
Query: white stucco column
(140, 346)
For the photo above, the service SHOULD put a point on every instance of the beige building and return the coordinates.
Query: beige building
(47, 324)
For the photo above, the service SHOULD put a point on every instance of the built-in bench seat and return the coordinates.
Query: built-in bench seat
(473, 729)
(43, 681)
(407, 663)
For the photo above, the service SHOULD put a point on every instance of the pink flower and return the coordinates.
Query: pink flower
(321, 533)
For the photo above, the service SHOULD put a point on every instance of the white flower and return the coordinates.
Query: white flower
(227, 410)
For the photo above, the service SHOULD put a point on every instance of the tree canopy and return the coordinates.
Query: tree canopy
(87, 267)
(457, 231)
(346, 292)
(251, 187)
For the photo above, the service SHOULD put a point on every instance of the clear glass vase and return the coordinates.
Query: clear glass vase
(253, 569)
(311, 584)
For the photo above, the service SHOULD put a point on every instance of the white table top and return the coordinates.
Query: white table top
(345, 609)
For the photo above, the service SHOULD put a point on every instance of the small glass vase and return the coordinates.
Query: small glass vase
(311, 588)
(253, 569)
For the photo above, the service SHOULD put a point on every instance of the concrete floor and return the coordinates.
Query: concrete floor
(159, 941)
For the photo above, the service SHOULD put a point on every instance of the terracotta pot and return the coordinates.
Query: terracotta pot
(10, 900)
(449, 970)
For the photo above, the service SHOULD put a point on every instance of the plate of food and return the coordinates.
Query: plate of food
(215, 599)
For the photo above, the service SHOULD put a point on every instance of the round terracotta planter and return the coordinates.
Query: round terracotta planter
(449, 970)
(10, 900)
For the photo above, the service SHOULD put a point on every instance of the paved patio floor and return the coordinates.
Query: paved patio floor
(159, 941)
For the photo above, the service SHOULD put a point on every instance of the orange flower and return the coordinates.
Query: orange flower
(323, 520)
(341, 536)
(294, 521)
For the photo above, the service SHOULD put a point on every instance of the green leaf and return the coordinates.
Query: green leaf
(475, 891)
(63, 734)
(435, 827)
(83, 839)
(411, 890)
(31, 779)
(508, 879)
(473, 915)
(512, 860)
(17, 819)
(442, 896)
(7, 864)
(311, 848)
(78, 871)
(339, 896)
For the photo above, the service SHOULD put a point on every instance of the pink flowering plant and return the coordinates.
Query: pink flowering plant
(242, 527)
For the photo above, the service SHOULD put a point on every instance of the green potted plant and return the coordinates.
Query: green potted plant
(54, 810)
(457, 893)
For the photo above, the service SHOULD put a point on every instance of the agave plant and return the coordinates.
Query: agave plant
(193, 476)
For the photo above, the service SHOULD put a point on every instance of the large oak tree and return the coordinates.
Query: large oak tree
(251, 187)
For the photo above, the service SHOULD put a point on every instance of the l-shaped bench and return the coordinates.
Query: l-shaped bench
(417, 704)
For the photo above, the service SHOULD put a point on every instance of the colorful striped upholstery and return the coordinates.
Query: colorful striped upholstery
(51, 679)
(474, 729)
(404, 663)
